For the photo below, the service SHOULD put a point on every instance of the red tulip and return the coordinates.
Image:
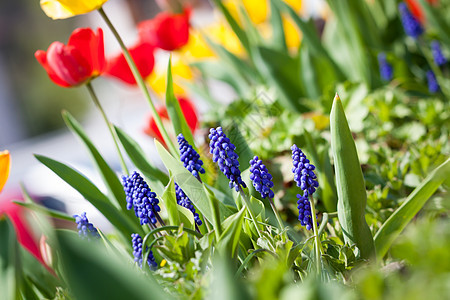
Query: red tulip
(24, 232)
(142, 55)
(166, 31)
(188, 111)
(80, 60)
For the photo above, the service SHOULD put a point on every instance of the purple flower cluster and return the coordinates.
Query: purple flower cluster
(137, 252)
(85, 229)
(306, 179)
(183, 200)
(438, 56)
(140, 196)
(433, 85)
(223, 153)
(411, 25)
(190, 158)
(386, 70)
(261, 178)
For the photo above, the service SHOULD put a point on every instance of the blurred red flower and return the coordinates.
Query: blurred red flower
(189, 113)
(416, 9)
(73, 64)
(142, 54)
(166, 31)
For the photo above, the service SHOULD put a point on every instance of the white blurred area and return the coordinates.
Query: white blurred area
(124, 105)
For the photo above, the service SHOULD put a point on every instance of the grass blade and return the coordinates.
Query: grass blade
(393, 226)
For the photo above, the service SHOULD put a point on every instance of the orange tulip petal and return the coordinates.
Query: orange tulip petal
(5, 164)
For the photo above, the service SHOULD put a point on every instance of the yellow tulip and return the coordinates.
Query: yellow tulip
(198, 49)
(180, 72)
(5, 163)
(257, 10)
(63, 9)
(292, 34)
(295, 4)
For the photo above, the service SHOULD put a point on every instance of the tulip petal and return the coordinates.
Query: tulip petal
(142, 55)
(189, 113)
(62, 9)
(91, 47)
(5, 165)
(41, 57)
(166, 31)
(68, 63)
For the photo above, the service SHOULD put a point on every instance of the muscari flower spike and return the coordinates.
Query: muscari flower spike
(189, 157)
(85, 229)
(438, 56)
(183, 200)
(386, 70)
(137, 252)
(307, 181)
(411, 25)
(223, 153)
(261, 178)
(433, 85)
(140, 196)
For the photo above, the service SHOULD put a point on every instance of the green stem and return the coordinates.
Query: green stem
(277, 215)
(248, 258)
(109, 125)
(318, 246)
(140, 82)
(247, 203)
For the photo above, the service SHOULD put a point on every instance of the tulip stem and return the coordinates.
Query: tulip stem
(140, 82)
(109, 125)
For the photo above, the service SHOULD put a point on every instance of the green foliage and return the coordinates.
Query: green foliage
(350, 184)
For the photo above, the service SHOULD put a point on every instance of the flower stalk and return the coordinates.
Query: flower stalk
(140, 82)
(109, 125)
(318, 245)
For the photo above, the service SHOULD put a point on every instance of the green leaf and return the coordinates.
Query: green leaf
(91, 193)
(110, 179)
(240, 33)
(229, 239)
(157, 179)
(177, 214)
(278, 67)
(46, 211)
(437, 21)
(393, 226)
(175, 113)
(311, 37)
(190, 185)
(9, 261)
(350, 185)
(93, 273)
(278, 35)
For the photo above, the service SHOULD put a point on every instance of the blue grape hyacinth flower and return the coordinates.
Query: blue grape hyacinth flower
(438, 56)
(140, 196)
(306, 179)
(223, 154)
(433, 85)
(261, 178)
(386, 70)
(183, 200)
(85, 229)
(189, 157)
(411, 25)
(137, 252)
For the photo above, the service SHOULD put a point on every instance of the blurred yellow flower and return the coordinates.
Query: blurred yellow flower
(5, 164)
(320, 121)
(62, 9)
(257, 10)
(197, 48)
(295, 4)
(292, 34)
(180, 72)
